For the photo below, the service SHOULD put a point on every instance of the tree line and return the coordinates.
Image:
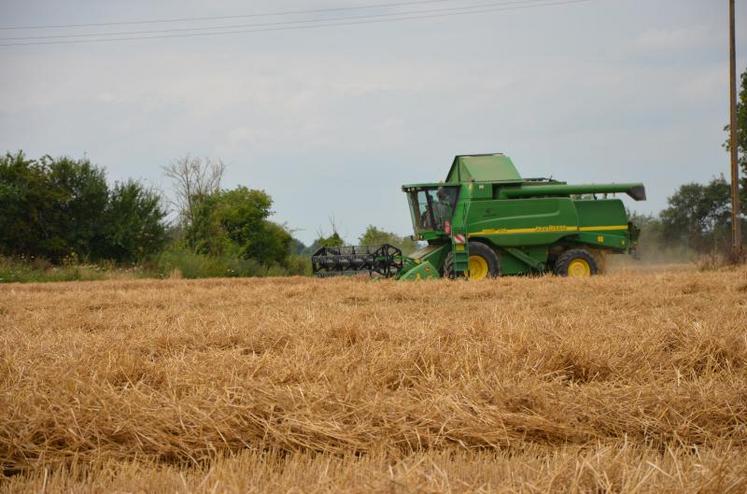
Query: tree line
(64, 209)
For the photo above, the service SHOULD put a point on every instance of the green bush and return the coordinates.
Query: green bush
(298, 265)
(180, 261)
(185, 263)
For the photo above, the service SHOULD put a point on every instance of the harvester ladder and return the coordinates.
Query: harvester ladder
(461, 258)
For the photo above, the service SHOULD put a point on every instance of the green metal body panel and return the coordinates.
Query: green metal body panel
(525, 221)
(425, 262)
(483, 168)
(423, 271)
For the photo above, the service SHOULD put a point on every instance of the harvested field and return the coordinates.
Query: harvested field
(631, 382)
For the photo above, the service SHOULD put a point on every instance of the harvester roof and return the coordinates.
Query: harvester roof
(495, 167)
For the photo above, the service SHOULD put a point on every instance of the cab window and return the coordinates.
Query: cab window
(432, 207)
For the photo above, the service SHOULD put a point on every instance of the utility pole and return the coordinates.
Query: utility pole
(736, 222)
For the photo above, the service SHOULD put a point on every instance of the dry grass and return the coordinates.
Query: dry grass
(630, 382)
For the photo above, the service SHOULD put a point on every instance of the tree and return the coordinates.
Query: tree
(193, 179)
(334, 240)
(271, 245)
(375, 236)
(741, 138)
(698, 216)
(81, 195)
(133, 224)
(25, 201)
(234, 222)
(62, 208)
(297, 247)
(50, 207)
(322, 240)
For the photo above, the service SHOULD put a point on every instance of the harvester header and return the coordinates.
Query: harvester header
(485, 220)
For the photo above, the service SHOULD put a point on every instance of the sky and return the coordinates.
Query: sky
(332, 121)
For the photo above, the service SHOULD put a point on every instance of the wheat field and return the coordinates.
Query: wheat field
(635, 381)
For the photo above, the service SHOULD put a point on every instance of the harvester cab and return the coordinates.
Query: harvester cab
(485, 220)
(431, 208)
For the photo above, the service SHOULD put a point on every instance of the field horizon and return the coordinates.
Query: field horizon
(635, 381)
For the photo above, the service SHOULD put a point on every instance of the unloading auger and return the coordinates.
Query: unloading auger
(485, 220)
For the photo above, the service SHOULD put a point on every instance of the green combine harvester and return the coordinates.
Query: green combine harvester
(486, 221)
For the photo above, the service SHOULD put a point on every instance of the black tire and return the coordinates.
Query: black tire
(475, 249)
(564, 261)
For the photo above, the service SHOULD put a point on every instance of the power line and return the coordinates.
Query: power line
(320, 24)
(271, 24)
(228, 17)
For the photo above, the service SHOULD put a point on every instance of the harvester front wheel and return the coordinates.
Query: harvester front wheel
(576, 263)
(483, 263)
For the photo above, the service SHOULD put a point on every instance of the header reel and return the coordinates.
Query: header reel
(384, 260)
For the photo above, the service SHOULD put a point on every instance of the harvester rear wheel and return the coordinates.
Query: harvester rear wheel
(483, 263)
(576, 263)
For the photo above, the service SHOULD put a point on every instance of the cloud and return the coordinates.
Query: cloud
(674, 39)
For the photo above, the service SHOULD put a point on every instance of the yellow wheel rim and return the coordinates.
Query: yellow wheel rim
(478, 268)
(579, 268)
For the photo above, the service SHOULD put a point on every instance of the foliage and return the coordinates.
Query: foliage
(188, 264)
(133, 228)
(234, 223)
(175, 261)
(298, 265)
(60, 208)
(183, 262)
(24, 206)
(64, 211)
(37, 270)
(372, 236)
(741, 137)
(50, 207)
(698, 216)
(271, 244)
(297, 247)
(332, 240)
(193, 179)
(81, 194)
(375, 236)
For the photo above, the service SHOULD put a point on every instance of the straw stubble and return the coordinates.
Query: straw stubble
(632, 381)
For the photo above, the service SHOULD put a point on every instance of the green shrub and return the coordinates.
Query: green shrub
(191, 265)
(181, 261)
(299, 266)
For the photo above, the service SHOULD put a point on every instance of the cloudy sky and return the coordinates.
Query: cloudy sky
(331, 121)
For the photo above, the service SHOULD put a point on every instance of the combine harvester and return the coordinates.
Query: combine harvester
(486, 221)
